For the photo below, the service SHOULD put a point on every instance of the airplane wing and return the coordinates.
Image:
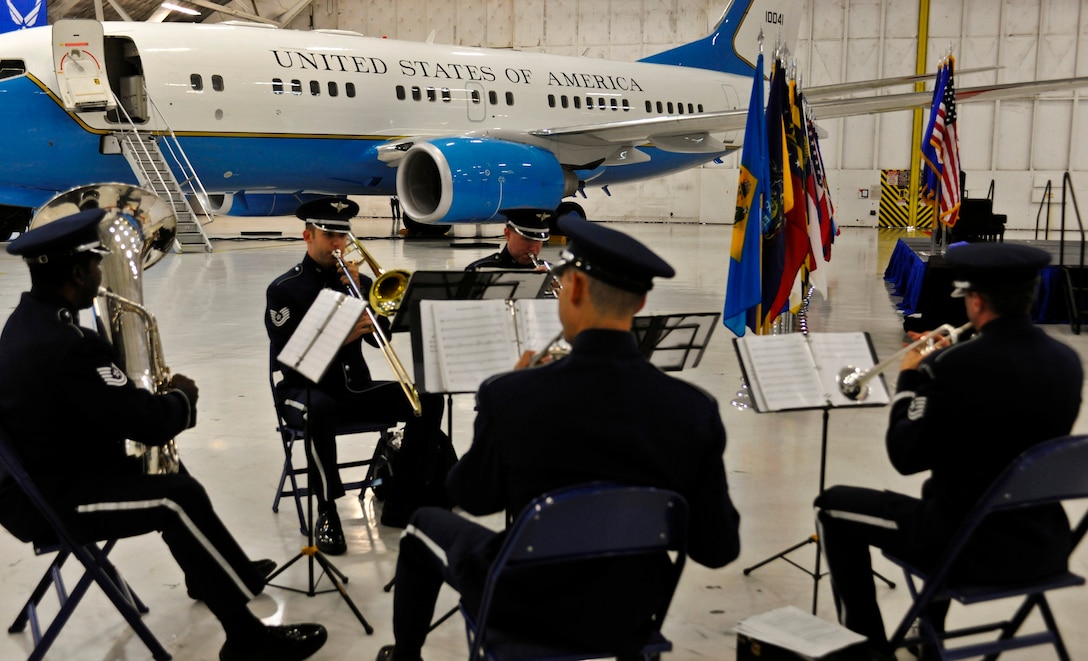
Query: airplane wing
(692, 133)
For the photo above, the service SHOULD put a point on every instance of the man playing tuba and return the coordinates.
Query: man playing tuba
(69, 408)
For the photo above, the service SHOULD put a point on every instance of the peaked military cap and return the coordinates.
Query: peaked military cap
(611, 256)
(332, 214)
(533, 228)
(989, 266)
(60, 238)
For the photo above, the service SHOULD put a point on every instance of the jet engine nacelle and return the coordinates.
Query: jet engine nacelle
(475, 179)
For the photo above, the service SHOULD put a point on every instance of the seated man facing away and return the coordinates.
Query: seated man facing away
(959, 413)
(604, 421)
(68, 409)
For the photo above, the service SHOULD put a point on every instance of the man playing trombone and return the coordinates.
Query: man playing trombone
(960, 413)
(347, 393)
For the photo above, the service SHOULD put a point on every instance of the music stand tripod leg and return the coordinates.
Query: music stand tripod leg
(310, 551)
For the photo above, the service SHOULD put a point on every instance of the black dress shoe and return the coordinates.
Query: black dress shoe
(387, 653)
(290, 642)
(264, 567)
(329, 535)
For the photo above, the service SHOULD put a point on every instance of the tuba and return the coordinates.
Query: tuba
(139, 229)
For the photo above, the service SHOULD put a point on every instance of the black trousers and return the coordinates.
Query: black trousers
(438, 546)
(99, 507)
(382, 403)
(849, 520)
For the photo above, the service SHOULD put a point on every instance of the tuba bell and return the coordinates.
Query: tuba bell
(139, 228)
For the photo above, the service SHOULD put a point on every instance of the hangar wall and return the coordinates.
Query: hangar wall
(1017, 144)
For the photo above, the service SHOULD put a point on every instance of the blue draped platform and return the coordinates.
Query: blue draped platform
(907, 269)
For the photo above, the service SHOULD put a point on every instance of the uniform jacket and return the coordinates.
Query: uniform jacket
(602, 413)
(498, 260)
(968, 411)
(67, 405)
(289, 297)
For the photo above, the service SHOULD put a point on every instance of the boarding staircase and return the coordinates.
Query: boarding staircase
(155, 156)
(1074, 271)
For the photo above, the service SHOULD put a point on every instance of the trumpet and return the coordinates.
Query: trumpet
(386, 293)
(399, 371)
(553, 289)
(852, 380)
(554, 349)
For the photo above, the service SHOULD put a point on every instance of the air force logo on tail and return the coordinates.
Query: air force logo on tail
(22, 14)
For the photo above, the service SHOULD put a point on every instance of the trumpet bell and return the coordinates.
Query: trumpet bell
(850, 384)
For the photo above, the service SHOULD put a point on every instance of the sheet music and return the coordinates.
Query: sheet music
(797, 371)
(834, 351)
(475, 340)
(793, 629)
(321, 333)
(537, 322)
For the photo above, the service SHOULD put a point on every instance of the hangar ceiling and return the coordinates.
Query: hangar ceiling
(154, 10)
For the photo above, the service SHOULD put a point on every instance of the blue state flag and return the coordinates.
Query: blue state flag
(742, 290)
(21, 14)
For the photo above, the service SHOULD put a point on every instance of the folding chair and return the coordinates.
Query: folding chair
(96, 566)
(1051, 472)
(576, 524)
(378, 465)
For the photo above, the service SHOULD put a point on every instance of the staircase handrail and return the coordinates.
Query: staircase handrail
(130, 133)
(1067, 189)
(1045, 202)
(192, 179)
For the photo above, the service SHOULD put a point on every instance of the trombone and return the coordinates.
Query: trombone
(399, 371)
(389, 286)
(852, 380)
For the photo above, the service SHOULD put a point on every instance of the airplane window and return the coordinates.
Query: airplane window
(660, 110)
(400, 93)
(277, 86)
(600, 102)
(315, 88)
(691, 109)
(446, 94)
(563, 101)
(649, 106)
(670, 107)
(509, 98)
(680, 108)
(589, 103)
(700, 107)
(492, 97)
(626, 105)
(577, 102)
(612, 102)
(431, 95)
(217, 83)
(333, 90)
(417, 94)
(196, 82)
(296, 86)
(349, 89)
(475, 96)
(11, 68)
(551, 100)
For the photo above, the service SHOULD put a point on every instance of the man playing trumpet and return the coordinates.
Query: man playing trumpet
(959, 413)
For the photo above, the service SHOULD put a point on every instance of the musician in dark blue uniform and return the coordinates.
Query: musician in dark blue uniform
(598, 418)
(524, 237)
(960, 413)
(347, 392)
(68, 408)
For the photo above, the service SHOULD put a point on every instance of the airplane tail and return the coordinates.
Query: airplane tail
(733, 44)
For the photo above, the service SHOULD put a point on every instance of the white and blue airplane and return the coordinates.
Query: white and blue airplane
(459, 134)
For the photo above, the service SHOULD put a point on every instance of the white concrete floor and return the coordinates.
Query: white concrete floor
(210, 307)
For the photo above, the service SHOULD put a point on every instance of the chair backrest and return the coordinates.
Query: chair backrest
(1052, 471)
(597, 520)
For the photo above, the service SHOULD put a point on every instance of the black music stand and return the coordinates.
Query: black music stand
(674, 342)
(309, 352)
(799, 372)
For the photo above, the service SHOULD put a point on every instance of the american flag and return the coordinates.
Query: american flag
(946, 144)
